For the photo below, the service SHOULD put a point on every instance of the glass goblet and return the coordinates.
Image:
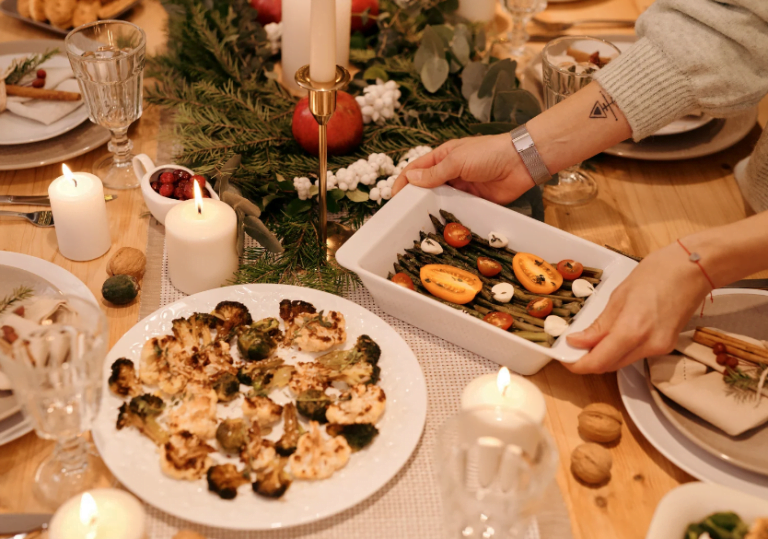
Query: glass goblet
(517, 37)
(494, 466)
(108, 60)
(56, 372)
(568, 64)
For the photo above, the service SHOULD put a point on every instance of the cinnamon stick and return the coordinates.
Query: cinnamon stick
(733, 346)
(41, 93)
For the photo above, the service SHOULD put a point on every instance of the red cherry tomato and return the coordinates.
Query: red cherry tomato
(488, 266)
(570, 269)
(500, 320)
(540, 308)
(403, 280)
(457, 235)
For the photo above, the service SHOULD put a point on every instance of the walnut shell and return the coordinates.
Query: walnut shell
(127, 261)
(600, 422)
(188, 534)
(591, 463)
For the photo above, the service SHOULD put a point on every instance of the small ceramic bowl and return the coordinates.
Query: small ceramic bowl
(147, 172)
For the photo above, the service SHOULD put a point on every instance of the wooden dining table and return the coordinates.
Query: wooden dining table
(642, 206)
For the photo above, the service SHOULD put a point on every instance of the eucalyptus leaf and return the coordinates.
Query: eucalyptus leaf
(488, 85)
(445, 33)
(357, 196)
(376, 72)
(516, 106)
(432, 46)
(480, 107)
(225, 172)
(336, 194)
(242, 204)
(313, 191)
(455, 66)
(460, 45)
(472, 77)
(259, 231)
(480, 40)
(434, 73)
(297, 206)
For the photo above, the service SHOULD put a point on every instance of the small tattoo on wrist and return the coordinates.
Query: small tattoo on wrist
(602, 107)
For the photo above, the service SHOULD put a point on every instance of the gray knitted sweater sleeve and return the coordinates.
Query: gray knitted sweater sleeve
(692, 55)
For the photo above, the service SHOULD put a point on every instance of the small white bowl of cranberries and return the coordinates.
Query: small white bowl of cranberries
(165, 186)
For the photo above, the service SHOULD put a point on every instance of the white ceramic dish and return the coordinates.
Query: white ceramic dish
(133, 459)
(372, 250)
(18, 130)
(693, 502)
(147, 172)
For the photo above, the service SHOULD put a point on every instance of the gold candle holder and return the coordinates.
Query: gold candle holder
(322, 104)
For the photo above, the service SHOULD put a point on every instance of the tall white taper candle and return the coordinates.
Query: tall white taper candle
(322, 31)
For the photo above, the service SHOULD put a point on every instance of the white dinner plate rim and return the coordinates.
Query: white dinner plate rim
(416, 416)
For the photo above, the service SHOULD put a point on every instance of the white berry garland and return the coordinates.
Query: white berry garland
(379, 101)
(274, 32)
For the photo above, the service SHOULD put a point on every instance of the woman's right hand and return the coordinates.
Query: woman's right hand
(488, 167)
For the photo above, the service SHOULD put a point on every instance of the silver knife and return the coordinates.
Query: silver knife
(22, 522)
(41, 200)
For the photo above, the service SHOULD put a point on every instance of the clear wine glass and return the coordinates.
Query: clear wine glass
(108, 60)
(567, 66)
(522, 11)
(56, 372)
(494, 466)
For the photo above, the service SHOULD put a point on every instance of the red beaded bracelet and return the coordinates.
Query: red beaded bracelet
(696, 259)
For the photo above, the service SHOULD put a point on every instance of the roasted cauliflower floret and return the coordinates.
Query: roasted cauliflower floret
(361, 404)
(262, 410)
(258, 453)
(318, 332)
(196, 413)
(317, 458)
(230, 315)
(310, 375)
(224, 479)
(185, 456)
(141, 413)
(123, 381)
(272, 481)
(163, 363)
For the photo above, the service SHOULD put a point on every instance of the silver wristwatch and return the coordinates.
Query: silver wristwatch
(524, 145)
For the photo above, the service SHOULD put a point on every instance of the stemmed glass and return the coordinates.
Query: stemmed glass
(522, 11)
(108, 60)
(567, 66)
(494, 466)
(56, 372)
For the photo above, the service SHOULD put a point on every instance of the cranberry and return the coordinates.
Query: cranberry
(9, 334)
(200, 180)
(167, 177)
(722, 359)
(38, 83)
(166, 190)
(19, 311)
(41, 73)
(189, 190)
(732, 363)
(206, 194)
(179, 193)
(181, 174)
(155, 186)
(719, 348)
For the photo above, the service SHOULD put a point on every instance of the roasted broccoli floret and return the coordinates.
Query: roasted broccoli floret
(358, 435)
(366, 350)
(224, 480)
(230, 315)
(358, 365)
(142, 413)
(227, 387)
(123, 381)
(287, 444)
(273, 481)
(313, 404)
(291, 309)
(255, 344)
(232, 434)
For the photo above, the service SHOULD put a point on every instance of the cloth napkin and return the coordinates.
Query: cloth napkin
(694, 380)
(59, 76)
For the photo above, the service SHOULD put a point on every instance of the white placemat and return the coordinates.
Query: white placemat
(408, 506)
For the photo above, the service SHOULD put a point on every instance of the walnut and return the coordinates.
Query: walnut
(188, 534)
(600, 422)
(127, 261)
(591, 463)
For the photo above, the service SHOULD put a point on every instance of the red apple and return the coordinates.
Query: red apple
(345, 129)
(269, 10)
(358, 7)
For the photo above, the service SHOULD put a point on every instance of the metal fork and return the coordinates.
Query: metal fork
(555, 26)
(37, 218)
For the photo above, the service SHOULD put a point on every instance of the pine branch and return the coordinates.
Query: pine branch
(19, 294)
(20, 68)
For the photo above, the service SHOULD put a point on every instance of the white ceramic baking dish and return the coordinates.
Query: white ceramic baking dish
(373, 249)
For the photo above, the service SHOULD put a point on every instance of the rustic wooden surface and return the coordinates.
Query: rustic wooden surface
(641, 207)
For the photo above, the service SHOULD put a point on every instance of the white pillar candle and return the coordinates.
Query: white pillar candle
(296, 36)
(201, 242)
(322, 41)
(79, 215)
(104, 513)
(505, 389)
(477, 10)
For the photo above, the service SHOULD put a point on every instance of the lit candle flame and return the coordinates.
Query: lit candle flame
(68, 174)
(503, 380)
(88, 514)
(198, 197)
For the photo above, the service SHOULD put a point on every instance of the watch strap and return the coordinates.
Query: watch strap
(532, 160)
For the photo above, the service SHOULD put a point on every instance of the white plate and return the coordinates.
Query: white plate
(373, 249)
(133, 459)
(17, 130)
(693, 502)
(61, 280)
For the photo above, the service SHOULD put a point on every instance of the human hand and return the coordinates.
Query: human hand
(488, 167)
(644, 315)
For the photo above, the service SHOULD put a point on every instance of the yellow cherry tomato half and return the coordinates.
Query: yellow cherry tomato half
(536, 274)
(450, 283)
